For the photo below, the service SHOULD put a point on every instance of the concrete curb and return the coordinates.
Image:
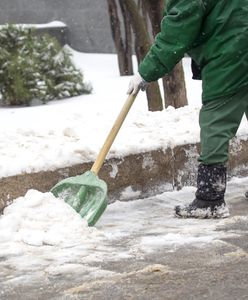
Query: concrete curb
(131, 177)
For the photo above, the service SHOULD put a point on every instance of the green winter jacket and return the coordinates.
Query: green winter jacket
(214, 33)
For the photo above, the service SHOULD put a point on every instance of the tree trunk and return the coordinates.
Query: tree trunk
(174, 88)
(174, 83)
(124, 52)
(128, 38)
(142, 46)
(154, 9)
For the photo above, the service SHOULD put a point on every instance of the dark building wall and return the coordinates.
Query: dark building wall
(87, 20)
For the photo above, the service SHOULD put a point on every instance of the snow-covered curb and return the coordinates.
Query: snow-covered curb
(53, 24)
(155, 172)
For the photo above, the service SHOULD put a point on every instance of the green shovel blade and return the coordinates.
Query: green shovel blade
(86, 193)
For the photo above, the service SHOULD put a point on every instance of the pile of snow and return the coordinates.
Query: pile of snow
(41, 219)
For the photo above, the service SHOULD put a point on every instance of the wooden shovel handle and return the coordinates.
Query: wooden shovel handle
(112, 134)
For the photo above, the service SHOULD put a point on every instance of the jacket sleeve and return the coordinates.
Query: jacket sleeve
(180, 27)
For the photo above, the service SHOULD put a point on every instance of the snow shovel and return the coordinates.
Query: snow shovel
(86, 193)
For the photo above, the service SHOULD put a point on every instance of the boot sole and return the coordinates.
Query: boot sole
(219, 213)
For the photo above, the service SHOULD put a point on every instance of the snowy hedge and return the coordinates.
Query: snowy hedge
(35, 66)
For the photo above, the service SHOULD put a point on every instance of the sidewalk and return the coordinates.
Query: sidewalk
(142, 252)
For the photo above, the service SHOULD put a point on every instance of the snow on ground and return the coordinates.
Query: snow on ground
(40, 236)
(62, 133)
(39, 26)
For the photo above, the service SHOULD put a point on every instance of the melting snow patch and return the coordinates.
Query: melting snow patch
(174, 239)
(148, 162)
(128, 193)
(114, 171)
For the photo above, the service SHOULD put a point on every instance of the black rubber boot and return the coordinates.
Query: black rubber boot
(209, 201)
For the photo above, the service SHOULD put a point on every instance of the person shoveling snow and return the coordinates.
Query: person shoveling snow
(214, 35)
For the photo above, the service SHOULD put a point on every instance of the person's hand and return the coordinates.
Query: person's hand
(136, 83)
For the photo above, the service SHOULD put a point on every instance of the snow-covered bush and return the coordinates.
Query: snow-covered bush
(35, 66)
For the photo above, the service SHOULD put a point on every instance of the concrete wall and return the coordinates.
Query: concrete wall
(87, 20)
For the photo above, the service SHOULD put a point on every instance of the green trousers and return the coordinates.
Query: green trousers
(219, 121)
